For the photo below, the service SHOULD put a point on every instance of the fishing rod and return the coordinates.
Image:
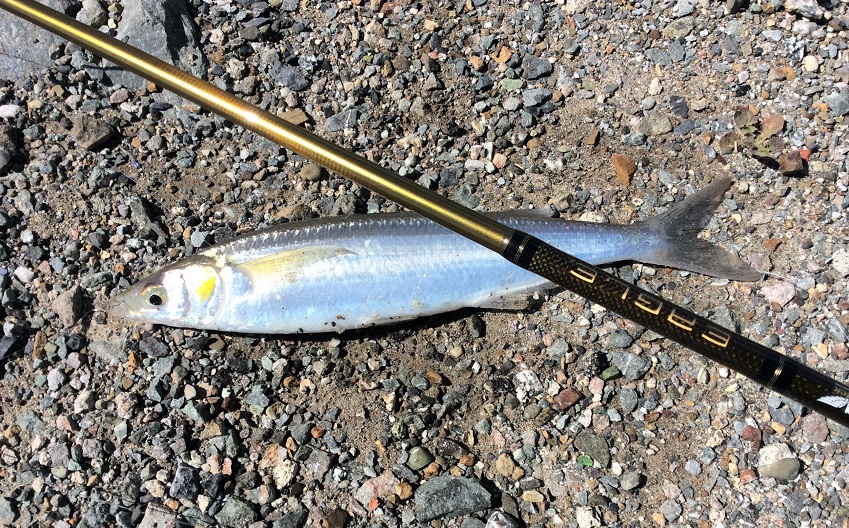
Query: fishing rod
(768, 367)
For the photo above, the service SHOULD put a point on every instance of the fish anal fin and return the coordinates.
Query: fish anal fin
(287, 265)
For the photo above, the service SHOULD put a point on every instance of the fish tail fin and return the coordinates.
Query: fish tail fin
(681, 248)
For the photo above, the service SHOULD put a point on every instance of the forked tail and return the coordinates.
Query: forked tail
(681, 248)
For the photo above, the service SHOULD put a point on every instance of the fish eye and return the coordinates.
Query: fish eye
(154, 295)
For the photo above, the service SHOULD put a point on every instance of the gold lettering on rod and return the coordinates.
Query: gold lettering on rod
(584, 274)
(646, 303)
(681, 322)
(717, 338)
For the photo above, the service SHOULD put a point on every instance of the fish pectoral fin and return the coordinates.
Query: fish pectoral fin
(287, 265)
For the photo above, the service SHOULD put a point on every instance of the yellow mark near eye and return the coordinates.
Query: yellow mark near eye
(204, 290)
(201, 281)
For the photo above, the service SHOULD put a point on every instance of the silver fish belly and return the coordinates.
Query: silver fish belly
(345, 273)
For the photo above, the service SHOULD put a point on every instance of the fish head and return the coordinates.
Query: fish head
(186, 294)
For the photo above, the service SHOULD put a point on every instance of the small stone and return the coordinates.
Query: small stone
(84, 402)
(748, 475)
(289, 77)
(533, 496)
(311, 172)
(628, 399)
(591, 139)
(840, 262)
(91, 132)
(450, 496)
(678, 106)
(693, 467)
(838, 101)
(814, 428)
(186, 484)
(632, 366)
(619, 338)
(235, 513)
(778, 462)
(791, 163)
(501, 520)
(376, 488)
(624, 167)
(504, 465)
(586, 442)
(68, 306)
(342, 120)
(419, 458)
(806, 8)
(586, 517)
(536, 96)
(536, 67)
(629, 481)
(55, 379)
(565, 399)
(8, 511)
(671, 510)
(782, 293)
(9, 111)
(654, 124)
(810, 64)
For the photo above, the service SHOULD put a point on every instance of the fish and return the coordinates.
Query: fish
(343, 273)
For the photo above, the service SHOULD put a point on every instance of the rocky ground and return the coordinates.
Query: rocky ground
(562, 414)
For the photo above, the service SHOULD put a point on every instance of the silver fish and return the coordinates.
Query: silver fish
(337, 274)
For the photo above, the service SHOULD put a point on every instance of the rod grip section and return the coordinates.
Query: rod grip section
(763, 365)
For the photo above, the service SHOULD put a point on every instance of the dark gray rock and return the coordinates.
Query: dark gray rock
(838, 101)
(630, 365)
(186, 484)
(294, 519)
(658, 56)
(536, 67)
(167, 31)
(289, 77)
(628, 399)
(236, 512)
(25, 48)
(591, 444)
(342, 120)
(450, 496)
(536, 96)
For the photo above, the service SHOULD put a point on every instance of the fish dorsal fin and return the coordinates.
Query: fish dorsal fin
(286, 265)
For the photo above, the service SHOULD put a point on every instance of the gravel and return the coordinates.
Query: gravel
(557, 414)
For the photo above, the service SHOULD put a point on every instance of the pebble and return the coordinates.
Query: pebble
(235, 512)
(90, 133)
(624, 167)
(419, 458)
(342, 120)
(593, 445)
(655, 124)
(630, 481)
(840, 262)
(68, 306)
(671, 510)
(782, 293)
(630, 365)
(448, 496)
(778, 462)
(500, 520)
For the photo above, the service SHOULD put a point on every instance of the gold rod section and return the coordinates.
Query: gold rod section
(452, 215)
